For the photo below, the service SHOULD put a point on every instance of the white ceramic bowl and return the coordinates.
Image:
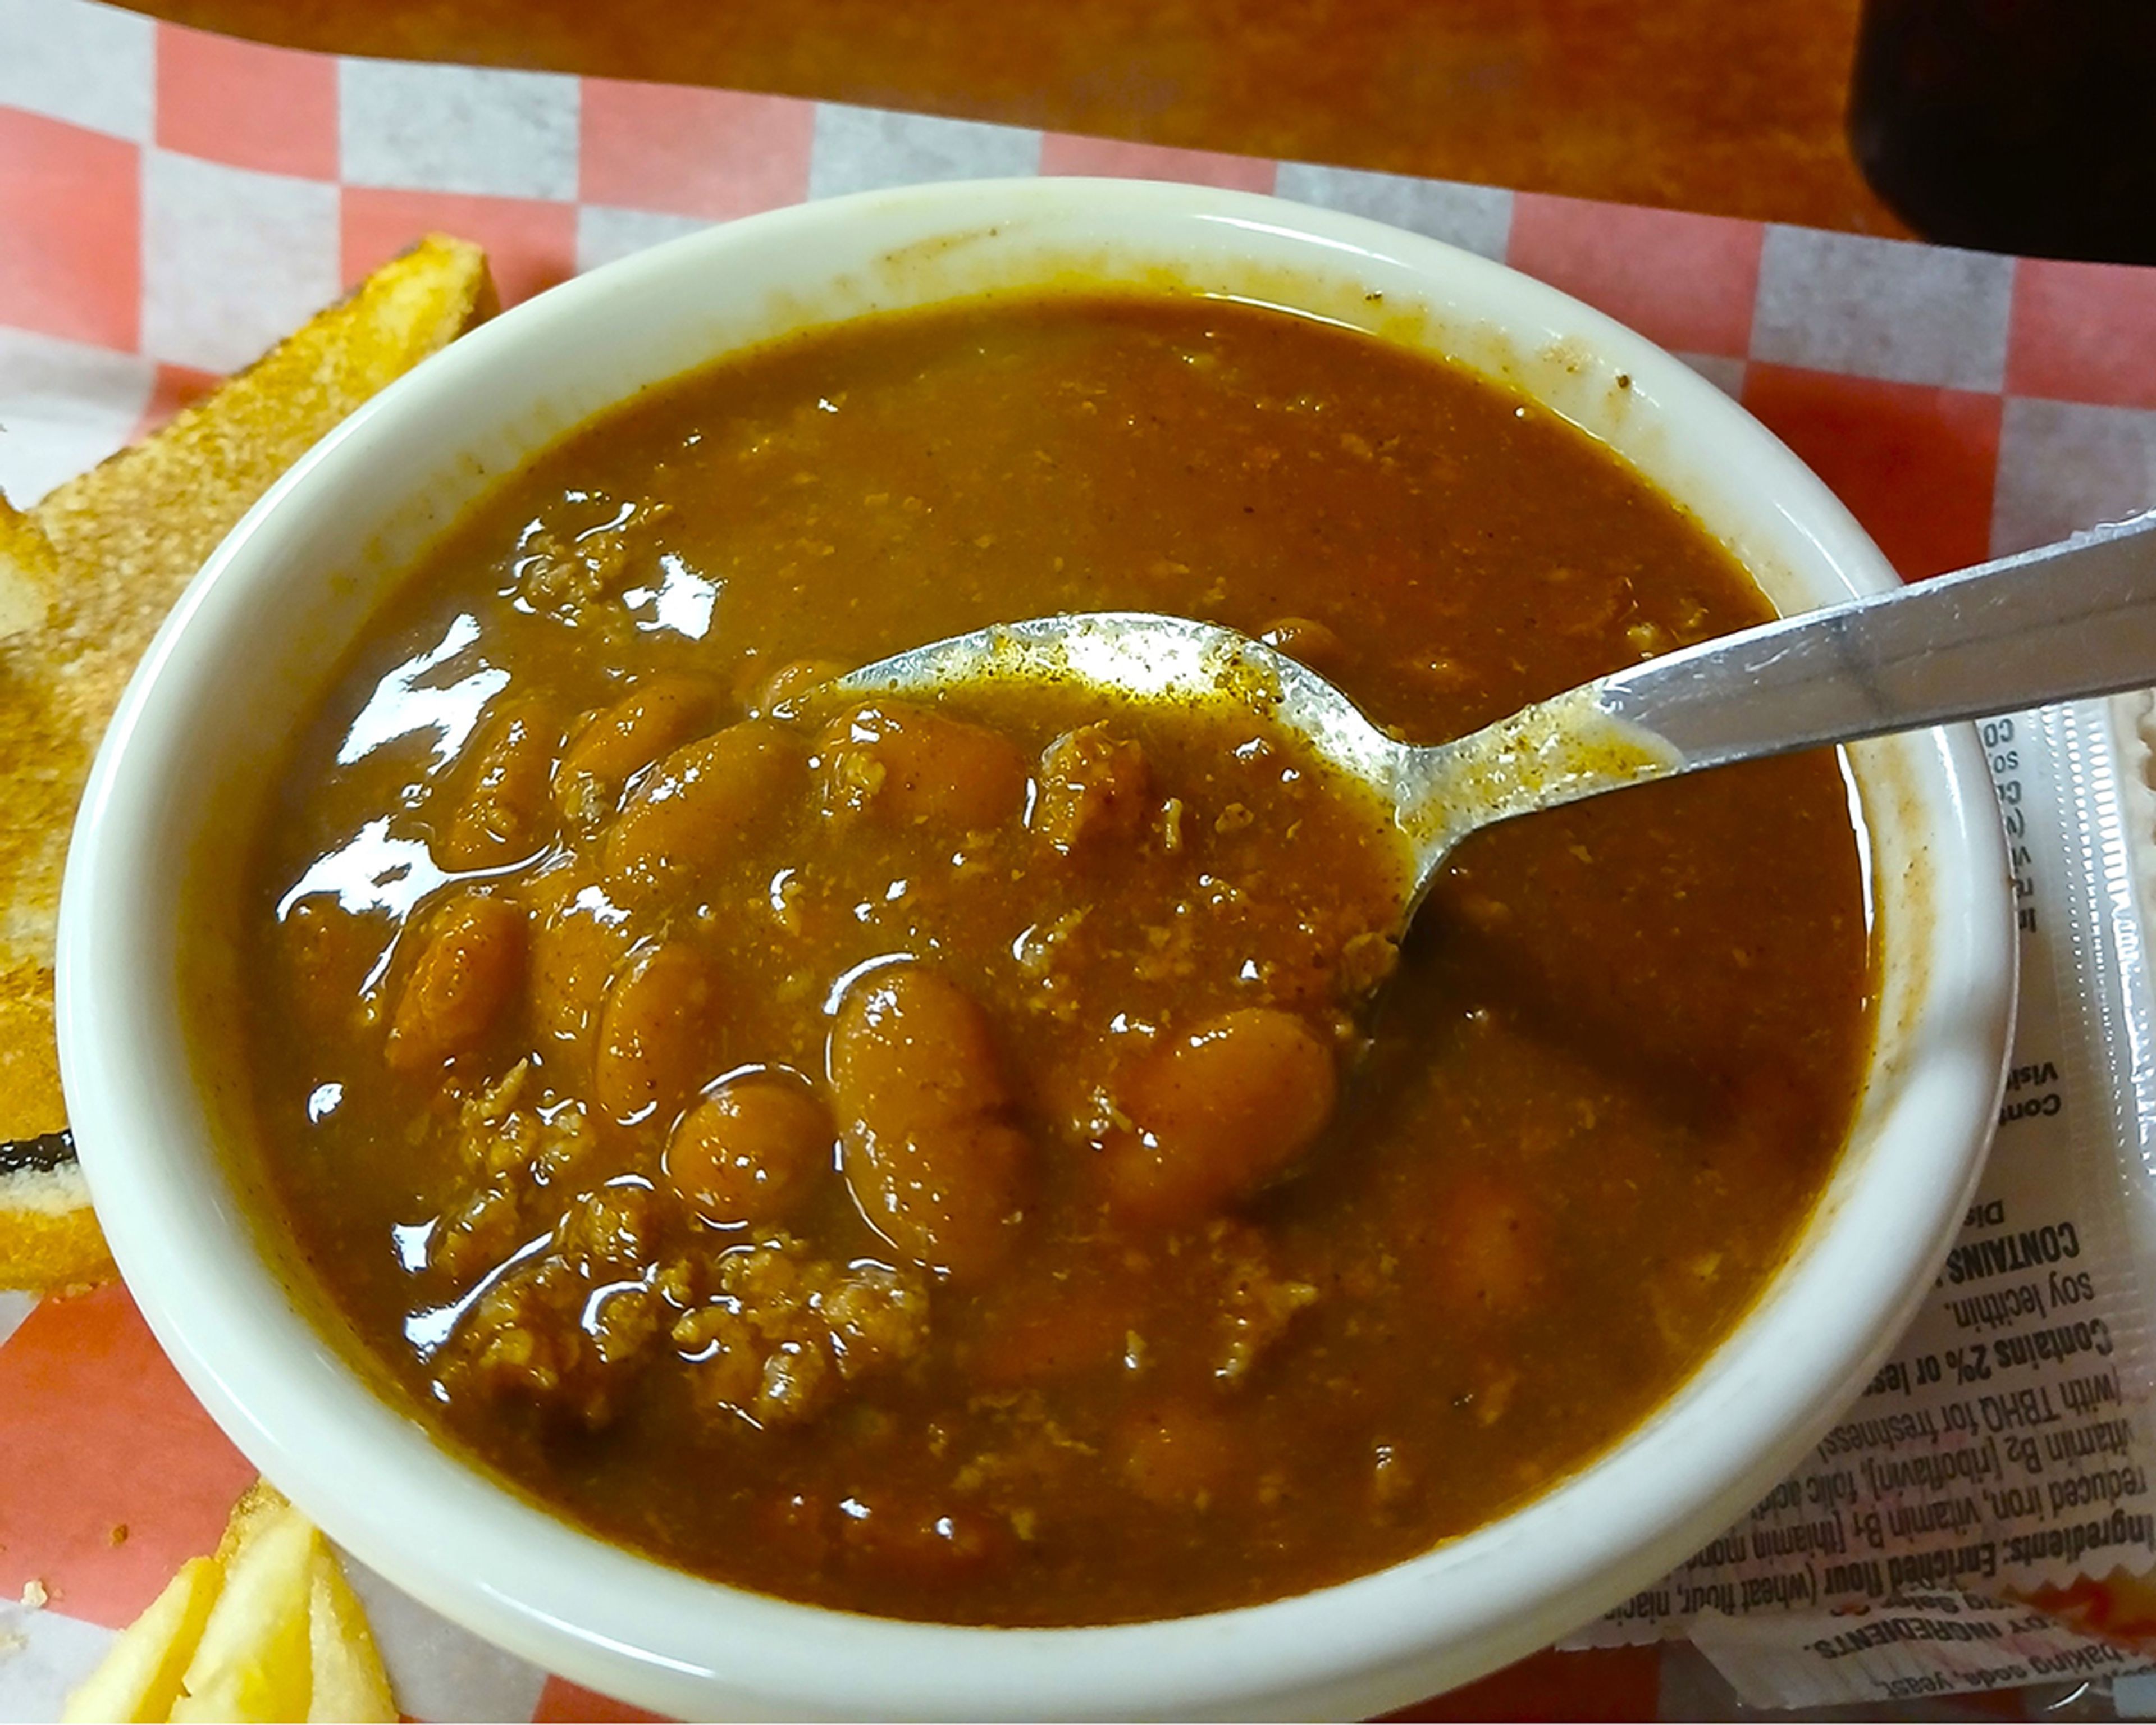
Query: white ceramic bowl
(182, 774)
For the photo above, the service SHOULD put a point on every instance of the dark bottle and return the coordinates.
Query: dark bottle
(2015, 126)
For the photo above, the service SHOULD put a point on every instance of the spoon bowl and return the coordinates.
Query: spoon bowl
(2068, 620)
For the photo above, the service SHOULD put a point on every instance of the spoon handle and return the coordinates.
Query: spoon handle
(2064, 621)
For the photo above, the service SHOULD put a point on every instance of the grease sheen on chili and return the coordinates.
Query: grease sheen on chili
(986, 1160)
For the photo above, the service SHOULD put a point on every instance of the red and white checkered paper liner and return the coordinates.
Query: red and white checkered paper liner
(171, 202)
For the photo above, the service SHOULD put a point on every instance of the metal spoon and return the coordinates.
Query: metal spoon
(2068, 620)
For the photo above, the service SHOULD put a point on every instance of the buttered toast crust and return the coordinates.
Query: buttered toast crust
(85, 577)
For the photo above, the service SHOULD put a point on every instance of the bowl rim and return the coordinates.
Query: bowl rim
(630, 1625)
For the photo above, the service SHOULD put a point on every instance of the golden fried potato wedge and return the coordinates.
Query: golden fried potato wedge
(255, 1659)
(140, 1678)
(267, 1629)
(349, 1682)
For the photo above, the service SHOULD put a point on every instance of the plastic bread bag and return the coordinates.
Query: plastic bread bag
(1985, 1516)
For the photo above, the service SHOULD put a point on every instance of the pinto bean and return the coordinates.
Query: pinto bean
(777, 695)
(912, 766)
(656, 1043)
(928, 1145)
(1177, 1456)
(501, 816)
(465, 975)
(687, 816)
(1307, 641)
(1491, 1248)
(751, 1151)
(327, 956)
(658, 713)
(1217, 1113)
(926, 1545)
(577, 942)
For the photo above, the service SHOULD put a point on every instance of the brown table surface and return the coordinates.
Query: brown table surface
(1704, 104)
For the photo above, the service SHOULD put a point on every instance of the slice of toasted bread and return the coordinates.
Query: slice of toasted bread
(46, 1223)
(124, 540)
